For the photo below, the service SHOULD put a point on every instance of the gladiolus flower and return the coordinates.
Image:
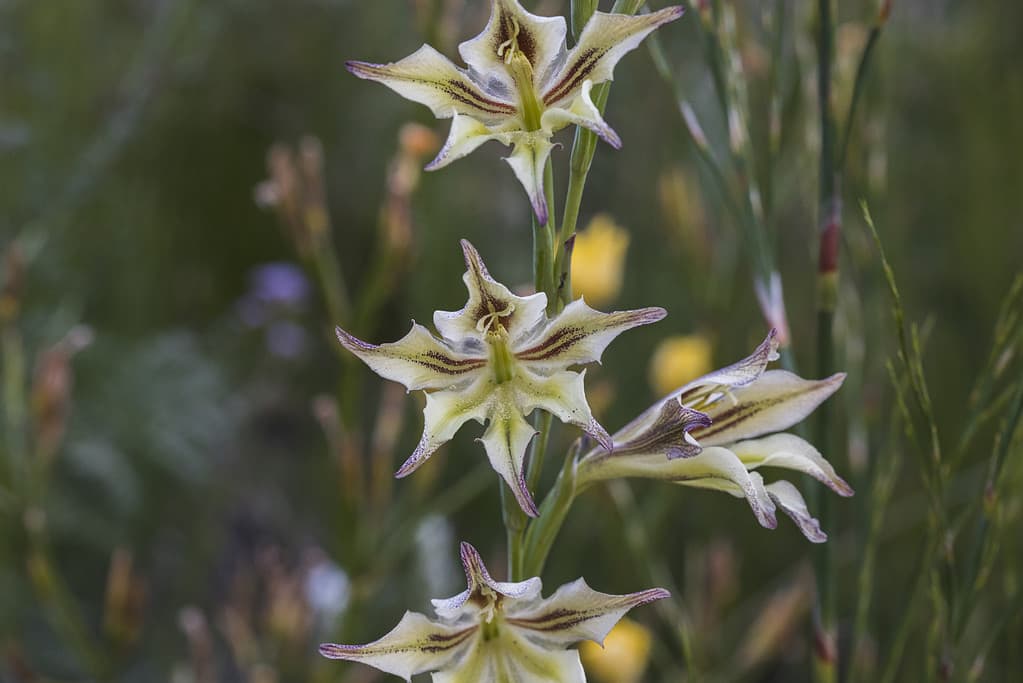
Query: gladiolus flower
(494, 632)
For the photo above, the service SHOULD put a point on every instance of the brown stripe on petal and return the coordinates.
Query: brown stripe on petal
(439, 642)
(736, 415)
(432, 360)
(574, 75)
(667, 434)
(562, 619)
(511, 31)
(431, 644)
(482, 282)
(469, 95)
(553, 345)
(457, 89)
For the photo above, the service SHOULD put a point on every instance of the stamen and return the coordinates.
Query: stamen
(508, 48)
(485, 323)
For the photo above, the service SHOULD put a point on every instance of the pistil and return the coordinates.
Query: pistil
(521, 72)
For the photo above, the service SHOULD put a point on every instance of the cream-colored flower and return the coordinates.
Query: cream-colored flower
(521, 84)
(496, 361)
(495, 632)
(718, 431)
(598, 260)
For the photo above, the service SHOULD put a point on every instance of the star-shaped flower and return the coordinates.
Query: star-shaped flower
(706, 435)
(496, 631)
(497, 360)
(521, 84)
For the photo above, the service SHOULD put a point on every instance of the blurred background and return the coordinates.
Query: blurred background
(196, 483)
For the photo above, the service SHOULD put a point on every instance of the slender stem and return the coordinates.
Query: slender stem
(553, 511)
(543, 423)
(861, 77)
(829, 219)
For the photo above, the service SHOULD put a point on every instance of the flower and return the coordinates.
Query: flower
(495, 631)
(710, 434)
(520, 86)
(497, 360)
(598, 260)
(678, 359)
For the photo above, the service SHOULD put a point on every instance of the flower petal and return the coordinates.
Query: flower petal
(414, 646)
(739, 374)
(428, 77)
(445, 413)
(581, 112)
(540, 39)
(605, 39)
(528, 160)
(791, 452)
(487, 297)
(776, 401)
(418, 360)
(481, 589)
(506, 439)
(466, 135)
(579, 335)
(787, 497)
(576, 612)
(561, 394)
(707, 389)
(713, 468)
(510, 657)
(668, 435)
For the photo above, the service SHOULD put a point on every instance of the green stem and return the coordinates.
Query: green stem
(861, 73)
(829, 219)
(514, 520)
(553, 511)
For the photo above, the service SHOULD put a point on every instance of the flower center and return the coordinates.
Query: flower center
(501, 359)
(521, 71)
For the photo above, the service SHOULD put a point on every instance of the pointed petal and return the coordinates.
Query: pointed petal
(791, 452)
(787, 497)
(581, 112)
(527, 161)
(576, 612)
(668, 435)
(428, 77)
(418, 360)
(540, 39)
(713, 468)
(704, 391)
(507, 436)
(511, 658)
(487, 296)
(481, 590)
(606, 39)
(561, 394)
(776, 401)
(739, 374)
(466, 135)
(578, 335)
(414, 646)
(445, 413)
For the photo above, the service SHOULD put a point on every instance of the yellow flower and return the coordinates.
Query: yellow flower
(677, 360)
(623, 658)
(598, 260)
